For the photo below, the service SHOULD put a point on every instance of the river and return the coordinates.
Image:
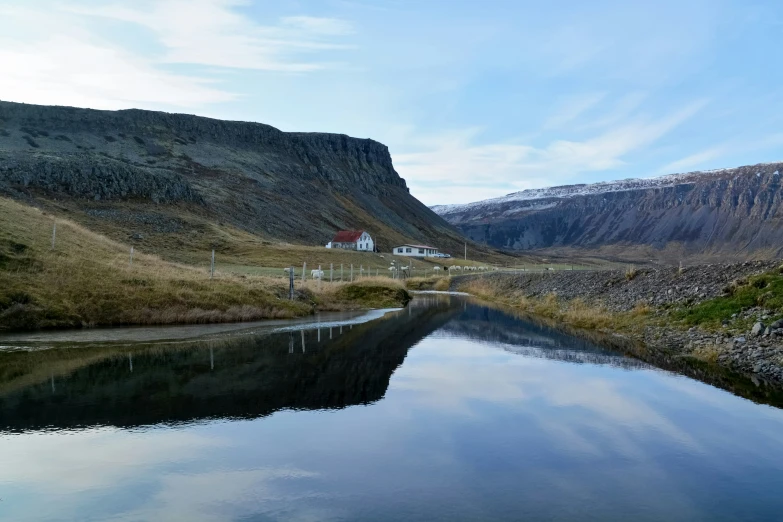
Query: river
(446, 410)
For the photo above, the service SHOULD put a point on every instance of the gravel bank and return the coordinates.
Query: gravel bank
(750, 342)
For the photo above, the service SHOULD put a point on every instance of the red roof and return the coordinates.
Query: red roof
(348, 236)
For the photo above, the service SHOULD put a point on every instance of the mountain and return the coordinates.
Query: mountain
(151, 173)
(727, 213)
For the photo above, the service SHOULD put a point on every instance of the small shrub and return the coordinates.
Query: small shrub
(442, 284)
(708, 353)
(374, 294)
(631, 273)
(138, 140)
(548, 306)
(110, 139)
(30, 141)
(641, 308)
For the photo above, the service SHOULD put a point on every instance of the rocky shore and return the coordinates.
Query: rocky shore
(749, 341)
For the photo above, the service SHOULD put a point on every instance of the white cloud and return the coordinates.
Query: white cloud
(62, 55)
(573, 108)
(66, 70)
(476, 171)
(327, 26)
(210, 32)
(689, 162)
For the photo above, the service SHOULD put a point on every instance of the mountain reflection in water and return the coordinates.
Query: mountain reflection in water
(244, 377)
(445, 410)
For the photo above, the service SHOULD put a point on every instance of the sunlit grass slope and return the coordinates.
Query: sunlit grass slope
(87, 279)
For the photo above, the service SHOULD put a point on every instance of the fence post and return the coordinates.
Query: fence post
(304, 271)
(291, 284)
(131, 257)
(331, 272)
(351, 272)
(212, 266)
(361, 271)
(54, 234)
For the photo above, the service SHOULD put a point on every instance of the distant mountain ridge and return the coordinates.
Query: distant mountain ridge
(728, 213)
(162, 173)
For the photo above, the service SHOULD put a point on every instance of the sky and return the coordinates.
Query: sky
(474, 99)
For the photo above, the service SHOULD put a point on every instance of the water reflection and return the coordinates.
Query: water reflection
(313, 367)
(446, 410)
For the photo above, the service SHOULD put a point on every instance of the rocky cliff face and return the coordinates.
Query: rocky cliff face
(291, 186)
(731, 213)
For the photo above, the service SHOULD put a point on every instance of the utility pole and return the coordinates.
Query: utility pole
(466, 250)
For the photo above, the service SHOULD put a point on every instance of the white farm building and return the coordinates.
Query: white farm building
(352, 240)
(415, 250)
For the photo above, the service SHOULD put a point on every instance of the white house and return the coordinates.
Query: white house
(415, 250)
(353, 240)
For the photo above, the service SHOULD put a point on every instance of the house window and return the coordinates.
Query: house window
(408, 250)
(421, 251)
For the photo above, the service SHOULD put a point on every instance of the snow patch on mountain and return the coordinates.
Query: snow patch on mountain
(571, 191)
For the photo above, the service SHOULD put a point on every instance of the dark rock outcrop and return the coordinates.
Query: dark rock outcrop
(283, 185)
(733, 212)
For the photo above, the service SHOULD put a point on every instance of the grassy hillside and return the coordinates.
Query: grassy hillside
(160, 179)
(174, 233)
(87, 279)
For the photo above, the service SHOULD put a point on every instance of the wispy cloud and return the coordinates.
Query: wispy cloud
(214, 33)
(571, 109)
(61, 54)
(472, 169)
(689, 162)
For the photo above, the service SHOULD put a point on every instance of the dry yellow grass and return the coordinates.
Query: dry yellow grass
(576, 312)
(440, 283)
(707, 353)
(364, 292)
(87, 279)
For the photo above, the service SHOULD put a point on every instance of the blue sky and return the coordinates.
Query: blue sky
(474, 99)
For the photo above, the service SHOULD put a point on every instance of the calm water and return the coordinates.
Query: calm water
(444, 411)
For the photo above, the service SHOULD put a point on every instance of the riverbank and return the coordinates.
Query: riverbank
(724, 315)
(79, 278)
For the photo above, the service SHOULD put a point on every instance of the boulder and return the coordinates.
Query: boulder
(757, 329)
